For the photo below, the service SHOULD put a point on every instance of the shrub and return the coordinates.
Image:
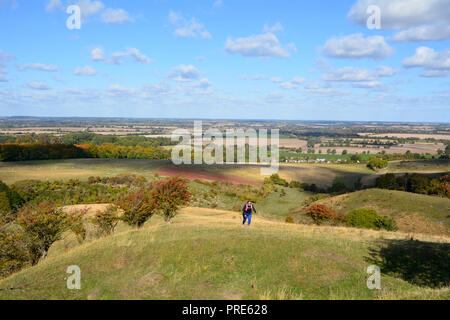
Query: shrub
(169, 195)
(43, 224)
(320, 213)
(138, 207)
(370, 219)
(289, 219)
(106, 221)
(13, 252)
(387, 223)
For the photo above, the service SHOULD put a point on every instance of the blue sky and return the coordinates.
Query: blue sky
(305, 60)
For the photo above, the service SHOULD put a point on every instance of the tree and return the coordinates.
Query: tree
(169, 195)
(138, 207)
(43, 224)
(344, 152)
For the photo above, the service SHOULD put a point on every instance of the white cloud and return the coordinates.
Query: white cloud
(3, 79)
(139, 57)
(118, 57)
(90, 8)
(188, 28)
(272, 29)
(360, 78)
(85, 71)
(384, 71)
(355, 46)
(184, 73)
(217, 3)
(115, 16)
(54, 5)
(435, 64)
(98, 54)
(350, 74)
(400, 14)
(5, 57)
(36, 85)
(119, 90)
(276, 79)
(419, 20)
(264, 45)
(298, 80)
(38, 66)
(288, 85)
(423, 33)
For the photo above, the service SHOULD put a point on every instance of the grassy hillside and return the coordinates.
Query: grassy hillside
(206, 254)
(414, 213)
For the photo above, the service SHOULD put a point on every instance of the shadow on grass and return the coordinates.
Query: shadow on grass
(420, 263)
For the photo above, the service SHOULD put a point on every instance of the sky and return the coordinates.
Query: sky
(363, 60)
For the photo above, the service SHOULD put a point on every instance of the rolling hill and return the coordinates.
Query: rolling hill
(206, 254)
(415, 213)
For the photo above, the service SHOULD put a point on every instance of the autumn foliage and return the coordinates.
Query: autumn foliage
(168, 195)
(321, 213)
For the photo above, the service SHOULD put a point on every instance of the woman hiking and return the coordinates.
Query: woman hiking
(247, 211)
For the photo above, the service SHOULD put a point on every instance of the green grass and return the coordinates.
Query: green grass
(11, 172)
(415, 213)
(206, 254)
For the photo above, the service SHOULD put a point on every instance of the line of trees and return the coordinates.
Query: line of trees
(416, 183)
(35, 151)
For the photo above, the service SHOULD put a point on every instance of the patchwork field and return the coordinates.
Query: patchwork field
(206, 254)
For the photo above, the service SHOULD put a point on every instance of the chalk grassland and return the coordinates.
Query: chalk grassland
(206, 254)
(414, 213)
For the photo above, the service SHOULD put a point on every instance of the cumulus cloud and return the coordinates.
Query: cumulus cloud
(184, 73)
(401, 14)
(423, 33)
(350, 74)
(355, 46)
(435, 64)
(139, 57)
(38, 66)
(54, 5)
(420, 20)
(115, 16)
(188, 28)
(360, 77)
(98, 54)
(36, 85)
(85, 71)
(264, 45)
(89, 8)
(272, 29)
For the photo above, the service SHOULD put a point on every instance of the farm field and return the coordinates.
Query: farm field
(201, 256)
